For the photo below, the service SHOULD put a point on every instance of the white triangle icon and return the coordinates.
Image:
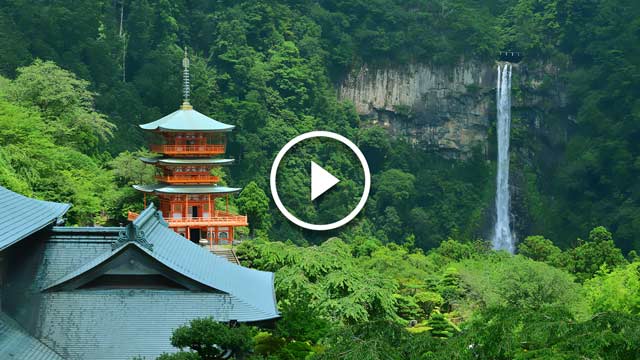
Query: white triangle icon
(321, 180)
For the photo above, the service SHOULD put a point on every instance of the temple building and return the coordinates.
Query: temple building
(192, 145)
(111, 292)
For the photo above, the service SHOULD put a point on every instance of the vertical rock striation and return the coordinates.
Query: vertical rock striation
(442, 108)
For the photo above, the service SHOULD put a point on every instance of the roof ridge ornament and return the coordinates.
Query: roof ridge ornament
(185, 80)
(131, 233)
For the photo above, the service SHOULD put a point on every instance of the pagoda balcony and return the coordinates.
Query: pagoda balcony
(188, 179)
(208, 149)
(219, 218)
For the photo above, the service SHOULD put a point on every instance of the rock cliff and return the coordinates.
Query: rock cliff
(448, 109)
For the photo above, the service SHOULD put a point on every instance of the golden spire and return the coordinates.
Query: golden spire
(185, 78)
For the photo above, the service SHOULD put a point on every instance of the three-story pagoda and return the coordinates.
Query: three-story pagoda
(193, 144)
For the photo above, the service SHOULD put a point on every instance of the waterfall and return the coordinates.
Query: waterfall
(503, 238)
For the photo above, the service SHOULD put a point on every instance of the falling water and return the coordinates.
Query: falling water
(503, 238)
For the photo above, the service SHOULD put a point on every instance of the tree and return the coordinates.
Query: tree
(128, 169)
(210, 340)
(519, 282)
(550, 332)
(32, 163)
(588, 257)
(66, 103)
(618, 290)
(428, 300)
(395, 188)
(375, 340)
(540, 249)
(254, 202)
(440, 326)
(374, 143)
(301, 321)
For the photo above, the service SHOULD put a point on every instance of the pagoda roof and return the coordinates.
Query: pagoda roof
(21, 216)
(187, 161)
(187, 119)
(186, 189)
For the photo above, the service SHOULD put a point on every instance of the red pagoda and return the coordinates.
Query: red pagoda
(193, 144)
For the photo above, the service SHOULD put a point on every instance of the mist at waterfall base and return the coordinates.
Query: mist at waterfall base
(503, 238)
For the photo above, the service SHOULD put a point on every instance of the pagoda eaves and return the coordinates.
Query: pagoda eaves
(187, 188)
(187, 161)
(186, 120)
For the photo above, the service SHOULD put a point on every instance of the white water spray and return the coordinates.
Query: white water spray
(503, 238)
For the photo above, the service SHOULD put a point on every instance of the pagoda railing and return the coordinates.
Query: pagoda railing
(219, 218)
(210, 149)
(231, 220)
(188, 179)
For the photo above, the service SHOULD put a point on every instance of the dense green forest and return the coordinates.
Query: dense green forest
(76, 78)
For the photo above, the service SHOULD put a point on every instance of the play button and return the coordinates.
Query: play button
(321, 180)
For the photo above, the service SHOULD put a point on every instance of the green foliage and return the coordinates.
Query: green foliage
(374, 340)
(127, 169)
(301, 321)
(469, 302)
(326, 277)
(210, 340)
(254, 202)
(182, 355)
(588, 257)
(549, 333)
(428, 301)
(618, 290)
(65, 102)
(34, 165)
(518, 282)
(270, 68)
(440, 326)
(456, 251)
(540, 249)
(407, 307)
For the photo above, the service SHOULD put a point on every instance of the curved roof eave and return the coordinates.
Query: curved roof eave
(24, 216)
(186, 161)
(186, 189)
(185, 120)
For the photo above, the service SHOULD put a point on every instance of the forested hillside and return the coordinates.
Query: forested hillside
(76, 78)
(269, 68)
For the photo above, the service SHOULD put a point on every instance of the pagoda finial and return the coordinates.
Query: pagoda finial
(185, 78)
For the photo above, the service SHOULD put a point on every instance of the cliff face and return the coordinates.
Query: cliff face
(447, 109)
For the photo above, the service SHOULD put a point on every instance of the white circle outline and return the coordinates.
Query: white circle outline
(304, 224)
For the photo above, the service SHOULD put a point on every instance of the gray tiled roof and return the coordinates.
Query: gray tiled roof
(126, 322)
(187, 120)
(21, 216)
(16, 343)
